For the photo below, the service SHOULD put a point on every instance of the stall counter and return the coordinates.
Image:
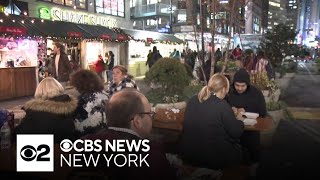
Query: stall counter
(17, 82)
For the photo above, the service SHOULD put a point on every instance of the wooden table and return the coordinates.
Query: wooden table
(262, 124)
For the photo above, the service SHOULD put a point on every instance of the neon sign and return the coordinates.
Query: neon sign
(44, 13)
(58, 14)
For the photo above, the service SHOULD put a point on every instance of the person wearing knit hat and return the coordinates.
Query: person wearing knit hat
(244, 97)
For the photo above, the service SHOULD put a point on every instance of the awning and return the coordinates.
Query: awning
(28, 26)
(150, 36)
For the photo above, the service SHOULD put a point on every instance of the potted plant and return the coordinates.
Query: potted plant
(171, 84)
(276, 112)
(269, 88)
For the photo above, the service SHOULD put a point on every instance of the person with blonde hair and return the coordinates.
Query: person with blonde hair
(211, 132)
(121, 79)
(50, 112)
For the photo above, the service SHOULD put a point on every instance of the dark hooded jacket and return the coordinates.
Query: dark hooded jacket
(51, 116)
(252, 100)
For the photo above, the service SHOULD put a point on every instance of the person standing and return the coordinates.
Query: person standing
(99, 66)
(61, 67)
(154, 57)
(110, 65)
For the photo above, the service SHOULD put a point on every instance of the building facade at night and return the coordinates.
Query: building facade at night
(308, 23)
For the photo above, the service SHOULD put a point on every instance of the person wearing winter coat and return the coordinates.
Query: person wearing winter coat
(90, 116)
(211, 132)
(121, 80)
(99, 66)
(50, 112)
(244, 97)
(61, 67)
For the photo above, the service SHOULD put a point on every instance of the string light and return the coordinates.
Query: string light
(74, 7)
(122, 37)
(25, 13)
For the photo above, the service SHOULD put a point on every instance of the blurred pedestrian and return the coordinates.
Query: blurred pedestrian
(61, 67)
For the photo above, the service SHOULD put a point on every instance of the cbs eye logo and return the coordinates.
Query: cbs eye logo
(29, 153)
(35, 153)
(66, 145)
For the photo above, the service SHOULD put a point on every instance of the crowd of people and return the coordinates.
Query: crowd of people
(212, 136)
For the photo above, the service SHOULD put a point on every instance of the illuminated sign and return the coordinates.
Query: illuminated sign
(44, 13)
(58, 14)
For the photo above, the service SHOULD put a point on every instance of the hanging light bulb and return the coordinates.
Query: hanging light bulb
(41, 20)
(1, 20)
(22, 21)
(32, 21)
(13, 20)
(74, 7)
(25, 13)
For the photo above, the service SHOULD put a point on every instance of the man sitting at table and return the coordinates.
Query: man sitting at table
(244, 97)
(130, 118)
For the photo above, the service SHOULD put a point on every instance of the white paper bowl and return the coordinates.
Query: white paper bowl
(251, 115)
(249, 122)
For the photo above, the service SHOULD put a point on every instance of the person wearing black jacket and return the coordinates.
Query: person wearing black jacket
(243, 97)
(211, 132)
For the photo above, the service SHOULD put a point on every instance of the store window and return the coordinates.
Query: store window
(132, 3)
(111, 7)
(81, 4)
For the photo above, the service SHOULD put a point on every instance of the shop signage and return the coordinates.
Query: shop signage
(58, 14)
(13, 30)
(149, 40)
(105, 36)
(121, 37)
(74, 34)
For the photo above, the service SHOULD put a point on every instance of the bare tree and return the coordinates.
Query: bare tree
(192, 20)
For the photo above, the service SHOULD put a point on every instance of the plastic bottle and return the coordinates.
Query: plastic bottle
(5, 136)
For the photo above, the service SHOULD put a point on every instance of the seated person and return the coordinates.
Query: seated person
(50, 112)
(90, 116)
(243, 97)
(130, 118)
(121, 80)
(211, 132)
